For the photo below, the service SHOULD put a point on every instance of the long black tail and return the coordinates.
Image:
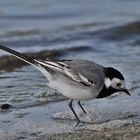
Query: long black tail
(37, 64)
(18, 55)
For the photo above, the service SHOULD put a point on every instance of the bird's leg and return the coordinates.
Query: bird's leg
(70, 105)
(81, 107)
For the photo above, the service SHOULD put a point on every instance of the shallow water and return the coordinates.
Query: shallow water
(110, 28)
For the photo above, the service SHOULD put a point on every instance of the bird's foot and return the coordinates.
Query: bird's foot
(79, 123)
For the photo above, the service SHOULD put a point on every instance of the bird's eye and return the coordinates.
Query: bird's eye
(118, 84)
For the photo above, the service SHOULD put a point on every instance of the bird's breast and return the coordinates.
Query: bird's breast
(74, 90)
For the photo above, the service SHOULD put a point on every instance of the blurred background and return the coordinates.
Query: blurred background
(104, 31)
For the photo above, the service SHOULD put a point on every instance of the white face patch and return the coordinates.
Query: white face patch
(118, 84)
(107, 82)
(115, 83)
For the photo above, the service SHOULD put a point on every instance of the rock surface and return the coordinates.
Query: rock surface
(115, 130)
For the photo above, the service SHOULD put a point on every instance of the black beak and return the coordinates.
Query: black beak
(126, 91)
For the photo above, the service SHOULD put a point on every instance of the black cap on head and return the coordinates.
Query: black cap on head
(111, 73)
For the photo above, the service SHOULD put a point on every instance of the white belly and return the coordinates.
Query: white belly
(74, 90)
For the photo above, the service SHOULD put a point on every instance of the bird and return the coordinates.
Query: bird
(77, 79)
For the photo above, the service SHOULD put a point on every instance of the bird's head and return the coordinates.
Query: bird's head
(115, 81)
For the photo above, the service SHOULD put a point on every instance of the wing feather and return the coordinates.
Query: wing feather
(66, 70)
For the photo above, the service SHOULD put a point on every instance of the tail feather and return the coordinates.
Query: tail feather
(47, 70)
(37, 64)
(18, 55)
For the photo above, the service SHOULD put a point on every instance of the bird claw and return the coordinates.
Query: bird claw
(79, 123)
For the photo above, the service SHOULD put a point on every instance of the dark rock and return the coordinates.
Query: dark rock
(5, 106)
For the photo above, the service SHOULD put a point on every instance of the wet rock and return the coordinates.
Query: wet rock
(104, 111)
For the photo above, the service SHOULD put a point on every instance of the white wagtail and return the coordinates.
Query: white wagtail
(77, 79)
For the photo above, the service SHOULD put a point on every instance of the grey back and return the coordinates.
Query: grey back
(90, 70)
